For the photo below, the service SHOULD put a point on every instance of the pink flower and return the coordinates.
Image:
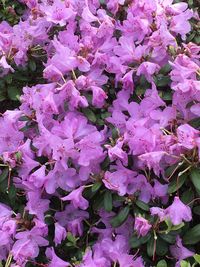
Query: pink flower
(187, 136)
(76, 198)
(179, 252)
(142, 226)
(178, 212)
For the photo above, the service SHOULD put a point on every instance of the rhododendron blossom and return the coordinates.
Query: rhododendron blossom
(100, 133)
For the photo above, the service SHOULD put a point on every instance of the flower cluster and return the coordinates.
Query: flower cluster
(100, 161)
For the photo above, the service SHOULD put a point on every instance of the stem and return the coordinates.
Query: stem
(179, 164)
(9, 177)
(198, 198)
(181, 173)
(8, 261)
(74, 75)
(154, 245)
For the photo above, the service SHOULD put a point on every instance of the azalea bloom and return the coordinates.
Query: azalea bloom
(141, 226)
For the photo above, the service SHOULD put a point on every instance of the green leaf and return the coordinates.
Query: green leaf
(71, 238)
(105, 115)
(165, 69)
(162, 263)
(195, 177)
(161, 247)
(135, 242)
(196, 210)
(197, 258)
(14, 92)
(177, 184)
(105, 163)
(8, 78)
(140, 90)
(150, 246)
(96, 187)
(89, 114)
(195, 123)
(191, 36)
(177, 227)
(24, 118)
(2, 96)
(169, 225)
(115, 133)
(32, 65)
(142, 205)
(162, 80)
(12, 192)
(169, 238)
(187, 196)
(49, 219)
(4, 175)
(185, 264)
(98, 203)
(197, 39)
(192, 236)
(108, 201)
(121, 217)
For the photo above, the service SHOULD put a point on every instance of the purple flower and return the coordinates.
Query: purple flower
(187, 135)
(27, 244)
(60, 233)
(148, 69)
(58, 13)
(179, 252)
(178, 212)
(54, 259)
(142, 226)
(76, 198)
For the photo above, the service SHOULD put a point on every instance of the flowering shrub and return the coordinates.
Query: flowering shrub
(99, 155)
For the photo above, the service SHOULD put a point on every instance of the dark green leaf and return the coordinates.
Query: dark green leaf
(96, 187)
(187, 196)
(89, 114)
(165, 69)
(195, 123)
(139, 90)
(197, 39)
(24, 118)
(32, 65)
(196, 210)
(150, 246)
(14, 92)
(12, 192)
(191, 36)
(4, 175)
(162, 80)
(121, 217)
(135, 242)
(105, 163)
(177, 183)
(115, 133)
(169, 238)
(49, 219)
(8, 78)
(195, 177)
(161, 247)
(192, 236)
(142, 205)
(108, 201)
